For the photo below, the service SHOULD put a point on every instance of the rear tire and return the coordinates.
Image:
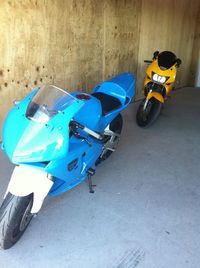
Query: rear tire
(145, 118)
(15, 217)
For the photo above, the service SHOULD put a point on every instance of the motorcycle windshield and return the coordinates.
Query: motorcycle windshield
(47, 103)
(166, 59)
(43, 133)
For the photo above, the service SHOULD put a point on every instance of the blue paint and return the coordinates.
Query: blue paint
(49, 144)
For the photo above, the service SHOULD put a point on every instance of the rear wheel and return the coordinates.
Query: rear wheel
(147, 115)
(115, 126)
(15, 216)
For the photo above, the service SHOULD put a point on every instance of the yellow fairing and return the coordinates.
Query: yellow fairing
(171, 73)
(156, 95)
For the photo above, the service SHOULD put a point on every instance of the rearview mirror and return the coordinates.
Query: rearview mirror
(155, 55)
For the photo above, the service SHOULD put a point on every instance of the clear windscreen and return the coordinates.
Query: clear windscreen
(47, 103)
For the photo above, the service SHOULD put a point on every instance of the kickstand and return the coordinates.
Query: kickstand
(90, 184)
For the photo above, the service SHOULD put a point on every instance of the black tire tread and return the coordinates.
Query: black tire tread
(10, 212)
(154, 113)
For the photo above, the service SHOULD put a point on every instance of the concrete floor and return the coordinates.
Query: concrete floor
(146, 208)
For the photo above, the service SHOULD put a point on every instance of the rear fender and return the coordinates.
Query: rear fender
(155, 95)
(26, 180)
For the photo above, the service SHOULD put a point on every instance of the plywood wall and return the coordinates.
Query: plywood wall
(78, 43)
(57, 42)
(195, 64)
(121, 36)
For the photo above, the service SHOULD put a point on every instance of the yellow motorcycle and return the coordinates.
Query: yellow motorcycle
(158, 83)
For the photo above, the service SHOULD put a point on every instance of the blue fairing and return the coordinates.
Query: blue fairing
(90, 114)
(26, 141)
(121, 87)
(51, 146)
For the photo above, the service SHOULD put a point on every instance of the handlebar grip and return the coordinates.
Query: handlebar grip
(178, 62)
(79, 125)
(87, 130)
(148, 61)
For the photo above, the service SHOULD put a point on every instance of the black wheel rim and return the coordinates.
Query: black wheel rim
(25, 220)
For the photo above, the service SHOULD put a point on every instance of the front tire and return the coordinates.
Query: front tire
(15, 216)
(146, 117)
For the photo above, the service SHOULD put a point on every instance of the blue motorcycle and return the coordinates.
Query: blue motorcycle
(56, 140)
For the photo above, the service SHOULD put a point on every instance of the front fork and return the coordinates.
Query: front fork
(146, 101)
(153, 94)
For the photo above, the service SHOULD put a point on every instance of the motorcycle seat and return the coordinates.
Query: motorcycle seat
(108, 103)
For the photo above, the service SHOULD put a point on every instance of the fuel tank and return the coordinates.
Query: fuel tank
(91, 112)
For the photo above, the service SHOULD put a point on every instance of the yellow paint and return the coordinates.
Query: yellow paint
(170, 73)
(156, 95)
(168, 85)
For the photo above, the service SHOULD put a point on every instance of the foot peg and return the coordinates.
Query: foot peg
(90, 173)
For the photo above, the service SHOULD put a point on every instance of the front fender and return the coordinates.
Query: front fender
(25, 180)
(155, 95)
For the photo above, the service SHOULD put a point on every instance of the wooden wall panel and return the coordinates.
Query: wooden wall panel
(195, 64)
(167, 25)
(78, 43)
(50, 41)
(121, 36)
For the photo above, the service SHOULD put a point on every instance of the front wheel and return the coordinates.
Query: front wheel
(15, 216)
(148, 112)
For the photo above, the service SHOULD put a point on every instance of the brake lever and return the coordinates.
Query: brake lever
(74, 127)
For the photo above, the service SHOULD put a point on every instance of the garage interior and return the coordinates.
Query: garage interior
(145, 209)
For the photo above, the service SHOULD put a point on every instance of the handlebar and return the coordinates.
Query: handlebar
(74, 127)
(178, 62)
(148, 61)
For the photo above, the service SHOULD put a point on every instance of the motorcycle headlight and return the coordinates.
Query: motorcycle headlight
(159, 78)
